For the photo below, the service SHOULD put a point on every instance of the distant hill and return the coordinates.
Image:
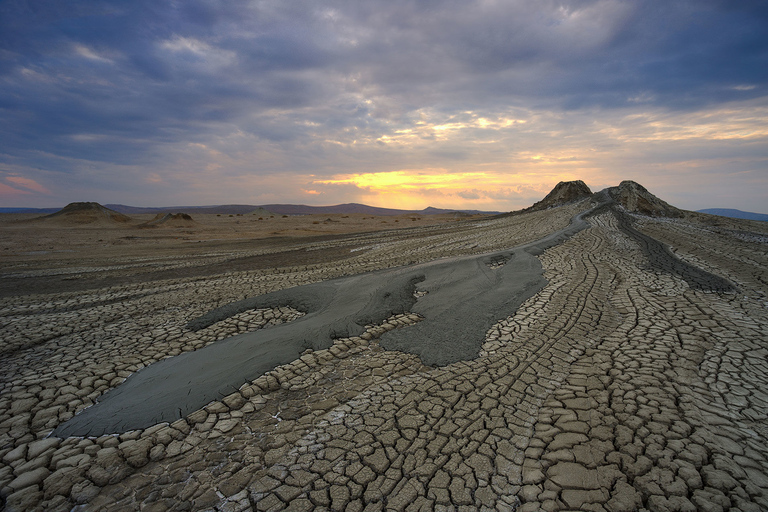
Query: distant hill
(29, 210)
(84, 213)
(630, 195)
(286, 209)
(735, 214)
(221, 209)
(293, 209)
(170, 220)
(246, 209)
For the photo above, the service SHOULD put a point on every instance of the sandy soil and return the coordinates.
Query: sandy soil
(56, 255)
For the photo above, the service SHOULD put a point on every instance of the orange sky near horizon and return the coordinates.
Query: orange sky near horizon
(502, 164)
(419, 188)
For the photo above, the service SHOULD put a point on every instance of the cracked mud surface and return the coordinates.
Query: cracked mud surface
(463, 298)
(619, 386)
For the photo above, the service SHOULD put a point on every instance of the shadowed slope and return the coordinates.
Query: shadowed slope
(659, 256)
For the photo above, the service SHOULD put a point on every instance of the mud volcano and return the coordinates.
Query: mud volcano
(170, 220)
(460, 299)
(564, 192)
(85, 213)
(636, 199)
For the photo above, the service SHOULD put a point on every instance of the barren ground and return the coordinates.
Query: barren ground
(617, 387)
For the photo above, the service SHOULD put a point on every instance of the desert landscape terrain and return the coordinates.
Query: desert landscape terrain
(630, 374)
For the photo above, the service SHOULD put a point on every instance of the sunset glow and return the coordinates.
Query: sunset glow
(410, 189)
(472, 105)
(415, 180)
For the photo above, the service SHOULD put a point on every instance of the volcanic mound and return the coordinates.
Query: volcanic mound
(170, 220)
(564, 192)
(635, 198)
(85, 213)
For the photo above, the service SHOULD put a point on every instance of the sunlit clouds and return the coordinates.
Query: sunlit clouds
(17, 187)
(444, 189)
(407, 104)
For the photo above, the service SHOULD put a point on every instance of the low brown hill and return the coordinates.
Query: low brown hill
(564, 192)
(635, 198)
(85, 213)
(170, 220)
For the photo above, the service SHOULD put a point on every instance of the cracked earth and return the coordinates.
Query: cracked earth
(617, 387)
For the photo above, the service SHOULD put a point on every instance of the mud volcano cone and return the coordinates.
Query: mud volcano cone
(170, 220)
(86, 213)
(636, 199)
(564, 192)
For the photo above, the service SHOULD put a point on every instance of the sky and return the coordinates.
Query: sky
(468, 104)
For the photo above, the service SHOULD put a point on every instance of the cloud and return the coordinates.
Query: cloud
(28, 184)
(91, 54)
(531, 91)
(469, 194)
(11, 193)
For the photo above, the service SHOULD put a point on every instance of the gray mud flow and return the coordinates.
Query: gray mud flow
(659, 256)
(465, 297)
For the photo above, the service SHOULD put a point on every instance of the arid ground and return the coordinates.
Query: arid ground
(628, 382)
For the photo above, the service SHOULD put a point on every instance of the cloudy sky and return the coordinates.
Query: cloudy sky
(401, 103)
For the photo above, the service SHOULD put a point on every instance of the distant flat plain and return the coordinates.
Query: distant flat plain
(99, 253)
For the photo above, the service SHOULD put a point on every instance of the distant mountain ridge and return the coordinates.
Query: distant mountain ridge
(281, 209)
(563, 193)
(29, 210)
(288, 209)
(735, 214)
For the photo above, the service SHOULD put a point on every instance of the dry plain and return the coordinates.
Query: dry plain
(619, 386)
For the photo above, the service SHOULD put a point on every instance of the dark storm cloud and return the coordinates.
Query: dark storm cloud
(119, 82)
(675, 54)
(152, 74)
